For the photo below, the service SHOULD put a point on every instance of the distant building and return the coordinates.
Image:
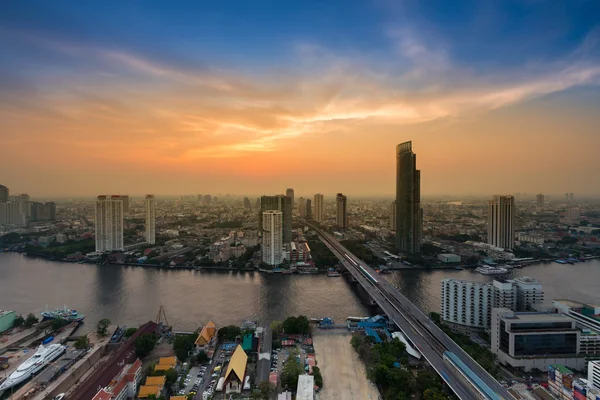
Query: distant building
(296, 252)
(289, 192)
(49, 211)
(449, 258)
(571, 196)
(280, 203)
(501, 221)
(409, 214)
(247, 204)
(207, 199)
(302, 207)
(393, 207)
(341, 220)
(573, 214)
(540, 200)
(308, 209)
(109, 223)
(125, 198)
(12, 215)
(3, 194)
(24, 198)
(467, 304)
(319, 210)
(272, 241)
(585, 315)
(150, 219)
(535, 340)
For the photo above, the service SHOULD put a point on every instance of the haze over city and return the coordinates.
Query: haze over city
(142, 97)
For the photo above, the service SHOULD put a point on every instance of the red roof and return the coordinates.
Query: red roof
(273, 377)
(102, 395)
(134, 367)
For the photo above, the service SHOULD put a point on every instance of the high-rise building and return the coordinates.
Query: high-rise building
(468, 304)
(49, 211)
(125, 198)
(409, 214)
(11, 214)
(272, 240)
(540, 200)
(150, 219)
(24, 198)
(3, 194)
(37, 211)
(199, 198)
(529, 293)
(247, 204)
(302, 207)
(308, 209)
(393, 208)
(594, 374)
(341, 219)
(505, 294)
(571, 196)
(501, 221)
(573, 214)
(109, 223)
(207, 199)
(289, 192)
(319, 199)
(280, 203)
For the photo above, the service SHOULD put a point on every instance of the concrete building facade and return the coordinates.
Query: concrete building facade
(109, 223)
(150, 219)
(467, 304)
(341, 216)
(319, 204)
(501, 221)
(409, 214)
(272, 240)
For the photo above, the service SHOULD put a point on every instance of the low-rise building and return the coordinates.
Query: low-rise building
(166, 363)
(449, 258)
(206, 335)
(154, 386)
(594, 374)
(7, 319)
(236, 371)
(124, 385)
(306, 388)
(586, 315)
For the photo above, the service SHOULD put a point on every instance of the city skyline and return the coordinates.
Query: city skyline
(245, 109)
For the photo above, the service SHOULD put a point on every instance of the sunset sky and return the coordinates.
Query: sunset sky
(252, 96)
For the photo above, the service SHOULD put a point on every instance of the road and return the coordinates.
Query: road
(426, 335)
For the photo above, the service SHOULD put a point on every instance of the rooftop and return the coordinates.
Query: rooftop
(306, 387)
(237, 365)
(562, 369)
(146, 391)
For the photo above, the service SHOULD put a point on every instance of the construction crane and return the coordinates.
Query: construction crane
(161, 317)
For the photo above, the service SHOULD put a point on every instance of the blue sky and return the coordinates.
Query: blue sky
(207, 83)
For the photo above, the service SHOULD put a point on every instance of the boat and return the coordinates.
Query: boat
(560, 261)
(60, 396)
(458, 268)
(332, 273)
(487, 270)
(517, 266)
(63, 313)
(42, 357)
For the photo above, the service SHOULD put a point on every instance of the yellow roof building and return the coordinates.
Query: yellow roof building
(237, 365)
(146, 391)
(156, 380)
(206, 334)
(178, 398)
(168, 360)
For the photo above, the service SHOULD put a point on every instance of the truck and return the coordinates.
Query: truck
(220, 384)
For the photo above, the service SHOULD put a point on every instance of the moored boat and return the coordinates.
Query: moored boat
(63, 313)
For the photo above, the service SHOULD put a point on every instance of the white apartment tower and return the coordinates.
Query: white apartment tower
(150, 219)
(467, 303)
(109, 223)
(272, 240)
(501, 221)
(505, 294)
(318, 205)
(529, 293)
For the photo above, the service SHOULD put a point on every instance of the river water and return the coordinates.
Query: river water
(133, 295)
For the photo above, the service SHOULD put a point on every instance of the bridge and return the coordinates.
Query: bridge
(467, 379)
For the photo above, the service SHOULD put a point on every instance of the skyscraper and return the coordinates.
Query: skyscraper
(393, 216)
(272, 240)
(302, 207)
(109, 223)
(207, 199)
(341, 219)
(24, 198)
(49, 211)
(289, 192)
(308, 209)
(409, 214)
(11, 214)
(125, 198)
(247, 204)
(280, 203)
(150, 219)
(540, 200)
(3, 194)
(501, 221)
(319, 199)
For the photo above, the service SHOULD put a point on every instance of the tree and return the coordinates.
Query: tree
(182, 346)
(291, 370)
(144, 344)
(129, 332)
(276, 327)
(202, 357)
(356, 341)
(102, 327)
(318, 377)
(296, 325)
(229, 333)
(82, 343)
(434, 394)
(171, 376)
(266, 390)
(31, 320)
(19, 321)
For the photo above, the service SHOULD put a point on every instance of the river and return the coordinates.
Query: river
(133, 295)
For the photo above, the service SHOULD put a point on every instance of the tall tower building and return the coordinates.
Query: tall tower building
(501, 221)
(308, 209)
(302, 207)
(409, 214)
(109, 223)
(467, 303)
(289, 192)
(319, 199)
(393, 207)
(150, 219)
(247, 204)
(272, 240)
(49, 211)
(540, 200)
(24, 198)
(11, 214)
(280, 203)
(207, 199)
(125, 198)
(341, 219)
(3, 194)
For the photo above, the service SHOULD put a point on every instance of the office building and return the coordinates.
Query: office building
(540, 200)
(207, 199)
(289, 192)
(280, 203)
(3, 194)
(466, 305)
(501, 222)
(594, 374)
(341, 215)
(529, 293)
(587, 316)
(150, 219)
(247, 204)
(393, 216)
(409, 214)
(272, 240)
(302, 207)
(109, 223)
(319, 210)
(308, 209)
(125, 198)
(531, 340)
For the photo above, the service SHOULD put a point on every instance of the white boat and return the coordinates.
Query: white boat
(42, 357)
(487, 270)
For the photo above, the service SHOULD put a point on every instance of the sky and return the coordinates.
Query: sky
(251, 97)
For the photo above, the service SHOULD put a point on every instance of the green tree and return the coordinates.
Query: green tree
(291, 370)
(266, 390)
(428, 380)
(434, 394)
(144, 344)
(31, 320)
(171, 376)
(82, 343)
(183, 345)
(296, 325)
(276, 327)
(318, 377)
(202, 357)
(229, 333)
(19, 321)
(129, 332)
(102, 327)
(357, 341)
